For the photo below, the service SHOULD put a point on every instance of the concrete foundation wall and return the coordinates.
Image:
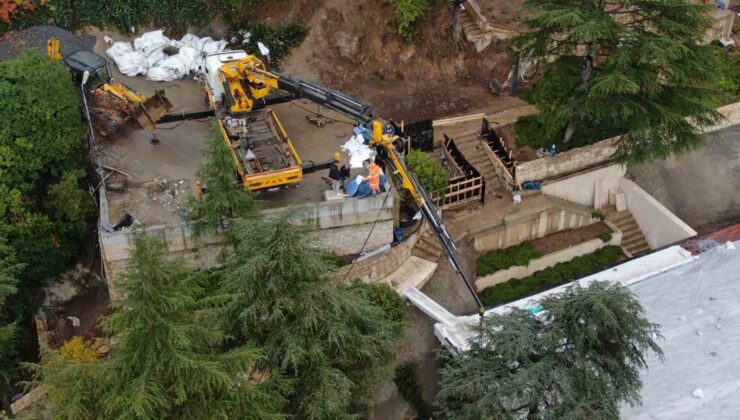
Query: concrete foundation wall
(517, 230)
(589, 189)
(657, 223)
(564, 255)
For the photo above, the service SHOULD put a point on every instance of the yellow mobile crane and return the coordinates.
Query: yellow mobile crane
(239, 87)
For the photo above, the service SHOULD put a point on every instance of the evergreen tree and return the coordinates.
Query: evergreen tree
(225, 196)
(165, 362)
(331, 339)
(636, 68)
(9, 271)
(580, 360)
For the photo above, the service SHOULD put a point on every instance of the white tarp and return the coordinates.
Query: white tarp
(147, 55)
(358, 151)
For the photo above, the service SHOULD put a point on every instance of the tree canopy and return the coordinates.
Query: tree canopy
(333, 341)
(579, 359)
(168, 359)
(225, 198)
(631, 68)
(9, 271)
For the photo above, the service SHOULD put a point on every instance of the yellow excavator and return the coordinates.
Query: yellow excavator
(111, 104)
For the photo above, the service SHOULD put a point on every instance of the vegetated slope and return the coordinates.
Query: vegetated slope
(354, 46)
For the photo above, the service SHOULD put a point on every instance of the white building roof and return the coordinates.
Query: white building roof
(698, 308)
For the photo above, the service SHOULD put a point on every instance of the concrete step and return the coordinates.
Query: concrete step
(642, 249)
(635, 244)
(632, 236)
(413, 273)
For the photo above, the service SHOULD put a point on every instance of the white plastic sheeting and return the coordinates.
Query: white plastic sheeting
(358, 151)
(146, 55)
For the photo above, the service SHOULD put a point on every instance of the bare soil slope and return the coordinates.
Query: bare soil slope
(354, 46)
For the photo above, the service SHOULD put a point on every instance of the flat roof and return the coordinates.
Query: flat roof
(698, 308)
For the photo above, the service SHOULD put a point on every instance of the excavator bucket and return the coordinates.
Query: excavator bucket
(147, 113)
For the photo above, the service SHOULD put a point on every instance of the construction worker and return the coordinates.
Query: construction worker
(373, 177)
(335, 175)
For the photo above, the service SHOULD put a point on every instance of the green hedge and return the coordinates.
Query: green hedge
(502, 259)
(383, 295)
(548, 278)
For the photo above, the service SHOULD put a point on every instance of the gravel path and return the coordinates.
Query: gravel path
(12, 43)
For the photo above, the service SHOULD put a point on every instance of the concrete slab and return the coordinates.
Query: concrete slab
(414, 272)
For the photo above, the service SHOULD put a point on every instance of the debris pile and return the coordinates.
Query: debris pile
(163, 59)
(170, 194)
(108, 111)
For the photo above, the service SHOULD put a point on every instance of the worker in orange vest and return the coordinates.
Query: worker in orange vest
(373, 177)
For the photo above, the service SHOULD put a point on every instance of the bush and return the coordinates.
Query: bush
(501, 259)
(596, 214)
(387, 299)
(78, 350)
(429, 172)
(408, 14)
(606, 236)
(333, 260)
(551, 277)
(407, 382)
(279, 39)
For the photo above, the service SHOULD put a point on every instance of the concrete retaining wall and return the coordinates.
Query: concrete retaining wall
(657, 223)
(564, 255)
(567, 162)
(589, 189)
(516, 230)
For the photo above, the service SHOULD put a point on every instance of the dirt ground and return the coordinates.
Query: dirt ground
(567, 238)
(353, 46)
(503, 13)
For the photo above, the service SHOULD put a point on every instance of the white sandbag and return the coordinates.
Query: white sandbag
(148, 42)
(190, 40)
(155, 56)
(209, 46)
(128, 61)
(190, 57)
(171, 68)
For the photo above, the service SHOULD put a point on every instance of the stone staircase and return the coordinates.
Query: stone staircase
(633, 239)
(427, 247)
(478, 29)
(473, 148)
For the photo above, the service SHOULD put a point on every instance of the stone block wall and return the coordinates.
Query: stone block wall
(378, 266)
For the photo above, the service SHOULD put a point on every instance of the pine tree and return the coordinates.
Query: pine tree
(166, 361)
(580, 361)
(9, 271)
(330, 339)
(225, 197)
(637, 68)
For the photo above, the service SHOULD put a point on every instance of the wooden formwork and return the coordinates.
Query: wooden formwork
(468, 188)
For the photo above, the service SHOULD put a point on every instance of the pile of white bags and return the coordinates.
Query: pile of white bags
(147, 56)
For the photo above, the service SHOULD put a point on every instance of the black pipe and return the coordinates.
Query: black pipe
(195, 115)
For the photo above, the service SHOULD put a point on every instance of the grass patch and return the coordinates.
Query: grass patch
(501, 259)
(333, 260)
(548, 278)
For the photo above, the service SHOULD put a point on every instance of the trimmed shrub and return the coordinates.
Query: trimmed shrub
(501, 259)
(548, 278)
(606, 236)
